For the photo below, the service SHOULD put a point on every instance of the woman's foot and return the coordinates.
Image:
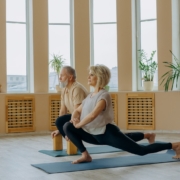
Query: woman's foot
(67, 139)
(84, 158)
(176, 148)
(150, 137)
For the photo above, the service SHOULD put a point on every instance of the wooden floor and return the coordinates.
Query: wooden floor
(17, 153)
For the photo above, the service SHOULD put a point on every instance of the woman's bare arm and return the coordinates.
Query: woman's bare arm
(77, 113)
(100, 106)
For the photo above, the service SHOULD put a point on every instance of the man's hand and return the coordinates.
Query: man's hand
(76, 123)
(54, 133)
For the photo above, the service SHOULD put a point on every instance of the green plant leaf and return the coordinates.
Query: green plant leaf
(147, 66)
(173, 74)
(56, 63)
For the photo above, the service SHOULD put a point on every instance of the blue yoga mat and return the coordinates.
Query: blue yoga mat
(91, 150)
(123, 161)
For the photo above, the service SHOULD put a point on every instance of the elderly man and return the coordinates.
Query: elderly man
(72, 95)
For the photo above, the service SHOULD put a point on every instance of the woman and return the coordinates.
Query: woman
(93, 121)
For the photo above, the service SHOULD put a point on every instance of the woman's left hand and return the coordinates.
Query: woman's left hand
(76, 123)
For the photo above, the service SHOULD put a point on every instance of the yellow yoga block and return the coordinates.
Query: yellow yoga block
(71, 148)
(57, 142)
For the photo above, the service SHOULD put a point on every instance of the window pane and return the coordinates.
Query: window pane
(105, 49)
(16, 10)
(148, 9)
(16, 57)
(104, 11)
(149, 41)
(59, 43)
(149, 37)
(59, 11)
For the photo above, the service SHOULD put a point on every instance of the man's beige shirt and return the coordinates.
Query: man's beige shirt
(73, 96)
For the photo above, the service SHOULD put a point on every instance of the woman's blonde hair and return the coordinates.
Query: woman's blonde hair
(102, 73)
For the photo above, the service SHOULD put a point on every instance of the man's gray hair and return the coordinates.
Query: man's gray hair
(70, 71)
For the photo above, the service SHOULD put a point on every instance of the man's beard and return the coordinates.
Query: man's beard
(63, 84)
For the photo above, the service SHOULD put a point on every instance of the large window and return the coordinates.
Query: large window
(147, 33)
(17, 45)
(104, 37)
(60, 35)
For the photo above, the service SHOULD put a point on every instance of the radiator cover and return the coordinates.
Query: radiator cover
(140, 111)
(20, 114)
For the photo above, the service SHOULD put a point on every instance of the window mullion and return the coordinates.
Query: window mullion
(27, 47)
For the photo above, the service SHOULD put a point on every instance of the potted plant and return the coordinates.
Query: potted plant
(56, 64)
(148, 67)
(172, 75)
(106, 87)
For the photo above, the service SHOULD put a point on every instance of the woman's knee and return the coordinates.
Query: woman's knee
(142, 152)
(67, 127)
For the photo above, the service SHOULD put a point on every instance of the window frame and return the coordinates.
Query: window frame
(138, 44)
(27, 18)
(175, 36)
(92, 39)
(71, 25)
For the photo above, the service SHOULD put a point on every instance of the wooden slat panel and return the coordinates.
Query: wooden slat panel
(140, 111)
(20, 113)
(54, 105)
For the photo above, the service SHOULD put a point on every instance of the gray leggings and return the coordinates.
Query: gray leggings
(112, 137)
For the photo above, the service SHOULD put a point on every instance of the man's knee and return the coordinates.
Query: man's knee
(61, 120)
(58, 121)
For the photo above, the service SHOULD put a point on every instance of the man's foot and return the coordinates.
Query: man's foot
(84, 158)
(176, 148)
(151, 138)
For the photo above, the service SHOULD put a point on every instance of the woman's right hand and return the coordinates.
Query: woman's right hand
(54, 133)
(76, 122)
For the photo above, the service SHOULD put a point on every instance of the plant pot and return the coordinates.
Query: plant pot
(148, 85)
(106, 88)
(58, 89)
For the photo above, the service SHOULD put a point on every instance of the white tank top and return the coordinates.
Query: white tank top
(98, 125)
